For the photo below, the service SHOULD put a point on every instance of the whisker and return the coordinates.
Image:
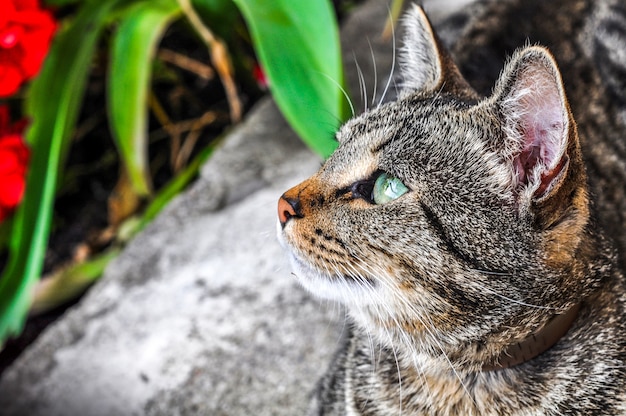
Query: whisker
(343, 91)
(508, 299)
(407, 341)
(375, 72)
(393, 60)
(362, 86)
(427, 327)
(357, 276)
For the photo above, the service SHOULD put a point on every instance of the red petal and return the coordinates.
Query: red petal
(13, 164)
(33, 47)
(9, 164)
(7, 13)
(11, 190)
(31, 62)
(33, 18)
(10, 36)
(13, 141)
(10, 79)
(25, 4)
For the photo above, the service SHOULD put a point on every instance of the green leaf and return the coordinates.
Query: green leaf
(220, 15)
(69, 283)
(134, 44)
(298, 46)
(52, 105)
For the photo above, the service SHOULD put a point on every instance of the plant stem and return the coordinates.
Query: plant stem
(219, 58)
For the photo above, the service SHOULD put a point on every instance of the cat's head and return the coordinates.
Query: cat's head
(455, 220)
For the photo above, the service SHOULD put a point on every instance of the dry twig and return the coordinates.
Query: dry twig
(183, 61)
(219, 58)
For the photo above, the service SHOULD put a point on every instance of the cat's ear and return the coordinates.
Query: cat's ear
(425, 63)
(540, 137)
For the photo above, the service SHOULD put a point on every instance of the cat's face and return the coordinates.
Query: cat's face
(442, 216)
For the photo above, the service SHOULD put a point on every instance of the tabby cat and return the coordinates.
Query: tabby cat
(471, 233)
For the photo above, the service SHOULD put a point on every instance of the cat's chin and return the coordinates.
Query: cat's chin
(344, 289)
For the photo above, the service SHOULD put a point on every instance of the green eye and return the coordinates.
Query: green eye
(387, 188)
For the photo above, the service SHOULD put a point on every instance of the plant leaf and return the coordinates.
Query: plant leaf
(220, 15)
(298, 46)
(70, 282)
(52, 104)
(134, 45)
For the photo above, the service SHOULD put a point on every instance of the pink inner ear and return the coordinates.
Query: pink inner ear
(539, 120)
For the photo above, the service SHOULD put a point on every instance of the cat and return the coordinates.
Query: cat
(472, 228)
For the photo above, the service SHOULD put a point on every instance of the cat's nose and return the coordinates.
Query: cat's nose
(288, 208)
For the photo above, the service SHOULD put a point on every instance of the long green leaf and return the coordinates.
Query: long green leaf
(221, 16)
(133, 49)
(298, 46)
(52, 105)
(69, 283)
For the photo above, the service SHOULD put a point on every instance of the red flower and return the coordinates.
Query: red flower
(259, 76)
(14, 157)
(25, 35)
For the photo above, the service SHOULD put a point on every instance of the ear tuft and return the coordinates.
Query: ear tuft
(536, 121)
(419, 59)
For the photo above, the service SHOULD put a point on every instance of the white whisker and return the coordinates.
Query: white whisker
(343, 91)
(426, 325)
(508, 299)
(393, 61)
(375, 72)
(362, 87)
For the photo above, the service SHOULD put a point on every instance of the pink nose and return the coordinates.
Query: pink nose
(287, 208)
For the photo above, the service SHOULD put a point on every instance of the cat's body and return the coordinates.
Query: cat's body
(460, 231)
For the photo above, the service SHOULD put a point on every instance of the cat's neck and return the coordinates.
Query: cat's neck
(537, 343)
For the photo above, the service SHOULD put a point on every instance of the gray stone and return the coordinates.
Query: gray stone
(200, 315)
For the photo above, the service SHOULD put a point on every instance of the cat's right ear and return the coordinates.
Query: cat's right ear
(425, 63)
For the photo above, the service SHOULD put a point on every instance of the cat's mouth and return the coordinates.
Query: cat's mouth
(329, 280)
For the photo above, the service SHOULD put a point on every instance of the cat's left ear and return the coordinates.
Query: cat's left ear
(425, 63)
(540, 137)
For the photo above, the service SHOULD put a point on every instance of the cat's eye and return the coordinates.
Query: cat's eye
(387, 188)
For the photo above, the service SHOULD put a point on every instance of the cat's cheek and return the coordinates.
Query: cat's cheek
(287, 243)
(280, 236)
